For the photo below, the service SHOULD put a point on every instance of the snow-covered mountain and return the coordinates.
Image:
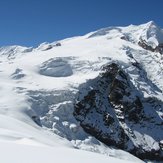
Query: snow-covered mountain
(101, 92)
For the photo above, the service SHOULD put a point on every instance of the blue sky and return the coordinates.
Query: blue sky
(31, 22)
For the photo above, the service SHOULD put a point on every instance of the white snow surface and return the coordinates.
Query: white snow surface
(11, 152)
(40, 85)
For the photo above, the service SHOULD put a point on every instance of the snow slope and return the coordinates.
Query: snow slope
(39, 86)
(11, 152)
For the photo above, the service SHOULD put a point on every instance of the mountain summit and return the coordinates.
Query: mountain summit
(101, 92)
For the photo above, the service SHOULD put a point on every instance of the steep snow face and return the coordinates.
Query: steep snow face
(39, 88)
(152, 34)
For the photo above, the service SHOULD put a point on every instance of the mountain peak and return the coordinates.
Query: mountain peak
(152, 34)
(151, 23)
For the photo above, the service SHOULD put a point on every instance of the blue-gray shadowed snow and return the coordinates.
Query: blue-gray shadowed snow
(18, 74)
(104, 86)
(56, 68)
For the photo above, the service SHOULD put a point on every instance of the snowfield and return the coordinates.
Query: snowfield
(11, 152)
(39, 86)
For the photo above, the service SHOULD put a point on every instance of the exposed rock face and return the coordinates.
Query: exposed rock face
(159, 48)
(145, 45)
(122, 95)
(115, 113)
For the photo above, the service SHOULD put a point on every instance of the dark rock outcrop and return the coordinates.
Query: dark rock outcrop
(159, 48)
(58, 44)
(113, 111)
(145, 45)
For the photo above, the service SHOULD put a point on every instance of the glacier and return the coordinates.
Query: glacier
(40, 87)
